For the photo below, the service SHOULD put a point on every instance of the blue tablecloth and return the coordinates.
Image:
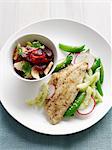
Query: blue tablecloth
(14, 136)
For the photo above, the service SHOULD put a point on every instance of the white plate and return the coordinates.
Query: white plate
(14, 92)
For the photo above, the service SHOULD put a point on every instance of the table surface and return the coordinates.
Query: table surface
(15, 14)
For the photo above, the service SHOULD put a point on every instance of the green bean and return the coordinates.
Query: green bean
(76, 104)
(101, 74)
(71, 49)
(64, 64)
(96, 64)
(99, 88)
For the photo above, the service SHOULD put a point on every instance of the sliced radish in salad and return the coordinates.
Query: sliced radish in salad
(88, 109)
(75, 57)
(51, 91)
(88, 57)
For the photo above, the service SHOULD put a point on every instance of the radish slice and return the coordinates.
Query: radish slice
(51, 91)
(75, 56)
(88, 57)
(89, 109)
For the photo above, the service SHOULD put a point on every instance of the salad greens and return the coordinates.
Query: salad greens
(36, 44)
(26, 68)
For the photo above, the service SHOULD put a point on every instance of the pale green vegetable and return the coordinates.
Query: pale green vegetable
(87, 77)
(98, 69)
(29, 43)
(87, 99)
(39, 100)
(97, 100)
(83, 86)
(94, 92)
(93, 79)
(90, 72)
(98, 97)
(93, 85)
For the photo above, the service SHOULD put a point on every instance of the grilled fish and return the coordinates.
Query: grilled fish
(65, 83)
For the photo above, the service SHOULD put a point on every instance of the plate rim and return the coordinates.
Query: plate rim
(44, 20)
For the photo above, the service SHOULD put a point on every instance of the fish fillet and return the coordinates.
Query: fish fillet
(65, 83)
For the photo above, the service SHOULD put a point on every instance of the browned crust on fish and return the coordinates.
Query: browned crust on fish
(65, 83)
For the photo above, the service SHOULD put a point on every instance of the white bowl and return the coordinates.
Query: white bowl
(31, 37)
